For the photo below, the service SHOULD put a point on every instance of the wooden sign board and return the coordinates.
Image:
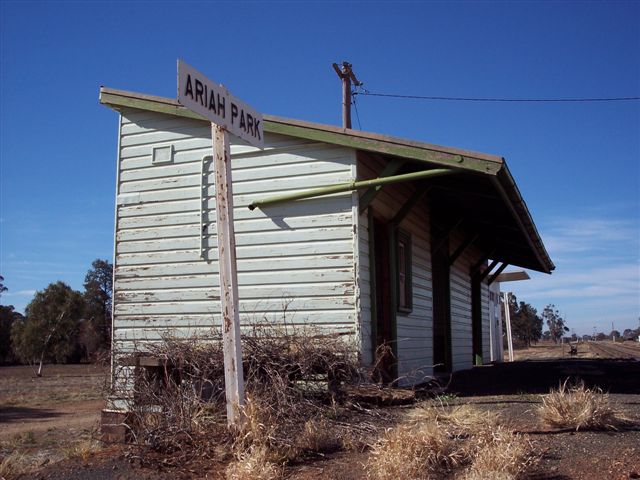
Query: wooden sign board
(213, 101)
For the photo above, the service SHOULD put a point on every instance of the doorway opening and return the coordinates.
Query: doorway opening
(441, 300)
(384, 336)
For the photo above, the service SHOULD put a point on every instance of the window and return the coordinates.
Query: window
(404, 280)
(162, 154)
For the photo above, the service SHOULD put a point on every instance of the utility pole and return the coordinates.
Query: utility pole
(347, 76)
(613, 335)
(507, 317)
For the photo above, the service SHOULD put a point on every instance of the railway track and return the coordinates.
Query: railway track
(614, 350)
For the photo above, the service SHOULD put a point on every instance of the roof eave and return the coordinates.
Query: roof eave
(432, 154)
(508, 189)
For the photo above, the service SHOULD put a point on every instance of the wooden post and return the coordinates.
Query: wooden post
(347, 76)
(233, 375)
(507, 315)
(346, 101)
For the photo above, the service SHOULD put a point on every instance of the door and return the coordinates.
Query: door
(476, 319)
(441, 300)
(384, 359)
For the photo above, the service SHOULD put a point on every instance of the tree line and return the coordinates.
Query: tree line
(60, 325)
(527, 325)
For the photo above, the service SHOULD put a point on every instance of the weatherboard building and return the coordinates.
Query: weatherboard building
(380, 239)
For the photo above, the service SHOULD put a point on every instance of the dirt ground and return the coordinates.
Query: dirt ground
(46, 419)
(66, 397)
(549, 350)
(52, 420)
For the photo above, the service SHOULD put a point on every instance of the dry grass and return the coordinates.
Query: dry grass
(319, 435)
(459, 419)
(261, 432)
(13, 465)
(438, 441)
(20, 440)
(60, 383)
(82, 449)
(502, 455)
(254, 464)
(580, 408)
(413, 451)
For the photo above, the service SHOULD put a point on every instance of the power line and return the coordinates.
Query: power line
(355, 106)
(489, 99)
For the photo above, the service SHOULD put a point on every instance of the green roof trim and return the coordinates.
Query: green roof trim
(116, 99)
(432, 154)
(388, 148)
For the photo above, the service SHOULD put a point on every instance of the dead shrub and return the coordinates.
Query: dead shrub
(413, 451)
(580, 408)
(436, 441)
(501, 455)
(294, 377)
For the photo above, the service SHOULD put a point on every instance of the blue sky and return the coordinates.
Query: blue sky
(577, 165)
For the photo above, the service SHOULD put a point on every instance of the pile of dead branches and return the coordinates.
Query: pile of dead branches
(295, 380)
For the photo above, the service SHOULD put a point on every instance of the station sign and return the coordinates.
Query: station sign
(214, 102)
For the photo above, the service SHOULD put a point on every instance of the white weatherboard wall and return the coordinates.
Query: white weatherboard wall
(364, 313)
(294, 259)
(414, 329)
(486, 320)
(461, 330)
(461, 323)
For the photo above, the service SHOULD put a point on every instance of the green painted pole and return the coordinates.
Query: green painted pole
(346, 187)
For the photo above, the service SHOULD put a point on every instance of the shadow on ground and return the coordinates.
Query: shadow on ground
(17, 414)
(538, 376)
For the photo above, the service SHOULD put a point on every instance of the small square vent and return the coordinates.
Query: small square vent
(162, 154)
